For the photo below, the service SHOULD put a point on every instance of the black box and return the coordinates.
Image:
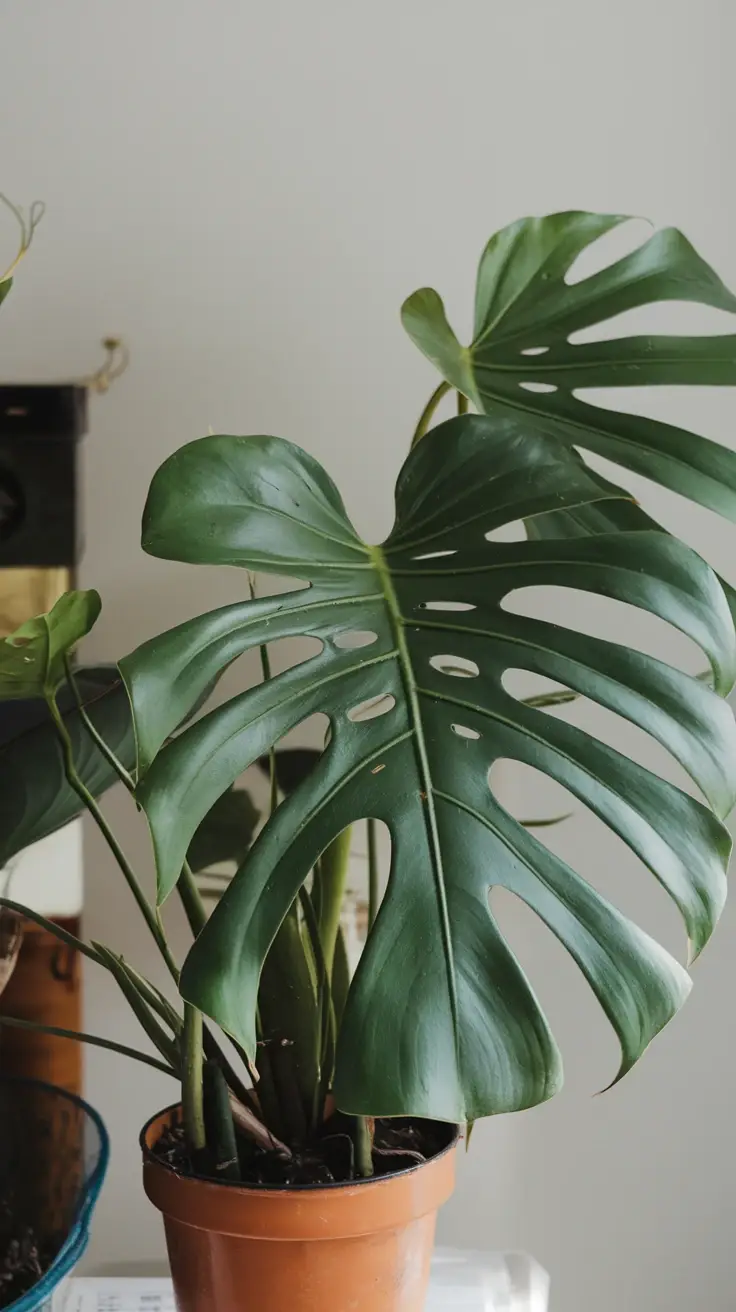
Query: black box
(40, 426)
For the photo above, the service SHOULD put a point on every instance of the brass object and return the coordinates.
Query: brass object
(28, 591)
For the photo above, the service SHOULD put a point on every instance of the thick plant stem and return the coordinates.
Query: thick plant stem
(425, 417)
(191, 900)
(373, 872)
(326, 1029)
(364, 1130)
(85, 796)
(333, 871)
(191, 1086)
(220, 1129)
(462, 403)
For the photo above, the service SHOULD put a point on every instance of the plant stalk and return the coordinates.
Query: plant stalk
(333, 871)
(89, 801)
(373, 872)
(425, 417)
(189, 894)
(191, 900)
(94, 734)
(191, 1086)
(364, 1131)
(15, 1023)
(220, 1129)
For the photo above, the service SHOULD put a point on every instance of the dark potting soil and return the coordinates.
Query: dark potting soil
(23, 1259)
(398, 1145)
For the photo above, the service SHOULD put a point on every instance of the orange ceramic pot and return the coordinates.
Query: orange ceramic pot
(361, 1247)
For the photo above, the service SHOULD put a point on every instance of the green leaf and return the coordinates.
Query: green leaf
(440, 1019)
(35, 799)
(226, 832)
(32, 658)
(525, 314)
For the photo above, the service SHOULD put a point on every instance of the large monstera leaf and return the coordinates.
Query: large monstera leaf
(440, 1019)
(521, 361)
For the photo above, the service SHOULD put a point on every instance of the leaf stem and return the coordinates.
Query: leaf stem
(462, 403)
(325, 1011)
(425, 417)
(333, 871)
(94, 733)
(191, 900)
(189, 894)
(14, 1022)
(192, 1097)
(364, 1131)
(85, 795)
(373, 872)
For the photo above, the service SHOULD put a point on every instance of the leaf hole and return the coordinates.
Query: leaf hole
(535, 350)
(514, 531)
(589, 845)
(372, 708)
(463, 731)
(616, 621)
(354, 913)
(447, 605)
(671, 317)
(530, 795)
(536, 690)
(434, 555)
(608, 249)
(539, 387)
(352, 639)
(458, 667)
(285, 653)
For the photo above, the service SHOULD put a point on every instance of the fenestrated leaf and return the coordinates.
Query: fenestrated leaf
(293, 764)
(226, 832)
(525, 314)
(35, 799)
(32, 658)
(440, 1020)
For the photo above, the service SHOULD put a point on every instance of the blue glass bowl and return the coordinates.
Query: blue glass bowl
(54, 1151)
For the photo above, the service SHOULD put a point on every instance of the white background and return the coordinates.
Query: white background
(247, 191)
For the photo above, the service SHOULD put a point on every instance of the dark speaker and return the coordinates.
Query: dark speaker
(40, 427)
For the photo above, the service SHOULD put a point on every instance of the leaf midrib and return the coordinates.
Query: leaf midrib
(556, 366)
(428, 789)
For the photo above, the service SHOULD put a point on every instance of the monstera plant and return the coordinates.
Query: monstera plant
(438, 1023)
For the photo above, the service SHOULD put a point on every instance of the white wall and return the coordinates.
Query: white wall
(247, 191)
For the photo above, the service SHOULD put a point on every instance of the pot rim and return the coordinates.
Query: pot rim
(249, 1187)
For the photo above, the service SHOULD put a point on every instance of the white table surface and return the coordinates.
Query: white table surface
(461, 1282)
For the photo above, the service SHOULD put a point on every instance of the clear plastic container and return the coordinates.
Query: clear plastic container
(54, 1151)
(465, 1281)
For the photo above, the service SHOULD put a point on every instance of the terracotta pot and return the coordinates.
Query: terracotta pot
(361, 1247)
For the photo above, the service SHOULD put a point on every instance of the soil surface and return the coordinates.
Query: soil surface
(398, 1145)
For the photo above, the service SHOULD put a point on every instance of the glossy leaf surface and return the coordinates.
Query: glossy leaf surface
(440, 1019)
(32, 658)
(521, 361)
